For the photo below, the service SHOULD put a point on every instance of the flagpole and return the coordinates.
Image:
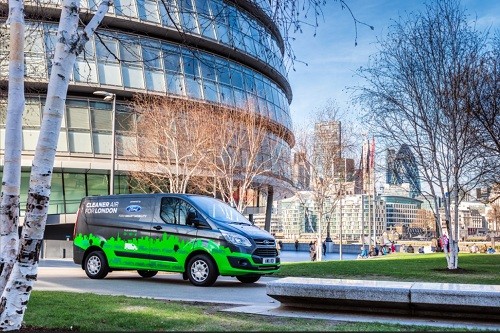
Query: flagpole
(368, 196)
(372, 164)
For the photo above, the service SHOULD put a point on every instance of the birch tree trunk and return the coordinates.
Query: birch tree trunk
(69, 44)
(11, 182)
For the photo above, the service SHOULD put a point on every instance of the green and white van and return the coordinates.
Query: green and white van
(198, 236)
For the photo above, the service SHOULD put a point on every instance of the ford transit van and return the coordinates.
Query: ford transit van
(198, 236)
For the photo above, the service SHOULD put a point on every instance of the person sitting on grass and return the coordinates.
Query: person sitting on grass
(410, 249)
(372, 251)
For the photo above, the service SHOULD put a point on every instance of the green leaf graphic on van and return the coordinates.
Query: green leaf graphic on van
(168, 253)
(173, 233)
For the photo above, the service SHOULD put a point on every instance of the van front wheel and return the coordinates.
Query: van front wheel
(202, 271)
(96, 265)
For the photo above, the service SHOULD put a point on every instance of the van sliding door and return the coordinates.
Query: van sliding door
(172, 238)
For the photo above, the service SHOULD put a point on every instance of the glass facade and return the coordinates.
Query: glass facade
(237, 64)
(141, 63)
(86, 129)
(217, 20)
(68, 189)
(401, 211)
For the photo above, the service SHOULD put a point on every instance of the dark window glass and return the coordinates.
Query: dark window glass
(97, 184)
(74, 190)
(175, 211)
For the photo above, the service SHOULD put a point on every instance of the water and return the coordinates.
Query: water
(295, 256)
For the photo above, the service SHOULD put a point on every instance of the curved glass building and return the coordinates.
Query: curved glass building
(225, 52)
(402, 168)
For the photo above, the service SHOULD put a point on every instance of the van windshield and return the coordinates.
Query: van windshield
(219, 210)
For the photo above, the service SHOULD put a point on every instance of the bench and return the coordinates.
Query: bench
(404, 298)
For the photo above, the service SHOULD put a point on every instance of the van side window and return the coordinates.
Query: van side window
(175, 210)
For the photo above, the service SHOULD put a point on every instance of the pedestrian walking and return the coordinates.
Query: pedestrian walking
(296, 245)
(312, 250)
(324, 248)
(363, 254)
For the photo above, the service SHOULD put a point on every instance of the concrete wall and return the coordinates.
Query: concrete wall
(57, 249)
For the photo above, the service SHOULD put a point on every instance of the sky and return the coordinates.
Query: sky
(332, 57)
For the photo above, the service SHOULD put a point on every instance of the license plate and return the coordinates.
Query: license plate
(269, 260)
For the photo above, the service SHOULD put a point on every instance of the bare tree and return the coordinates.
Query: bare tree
(246, 150)
(11, 181)
(417, 93)
(323, 145)
(494, 217)
(191, 147)
(485, 109)
(173, 136)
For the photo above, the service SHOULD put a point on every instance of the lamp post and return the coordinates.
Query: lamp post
(111, 97)
(328, 235)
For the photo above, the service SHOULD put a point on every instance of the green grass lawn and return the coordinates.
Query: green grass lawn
(473, 268)
(64, 311)
(88, 312)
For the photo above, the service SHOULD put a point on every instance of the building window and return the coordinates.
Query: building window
(125, 8)
(108, 66)
(148, 10)
(130, 55)
(74, 190)
(155, 79)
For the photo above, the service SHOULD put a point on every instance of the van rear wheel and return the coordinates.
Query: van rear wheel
(147, 274)
(202, 271)
(96, 265)
(248, 279)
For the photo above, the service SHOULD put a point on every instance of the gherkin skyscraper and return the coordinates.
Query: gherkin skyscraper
(402, 168)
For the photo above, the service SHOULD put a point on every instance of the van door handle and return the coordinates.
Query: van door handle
(157, 227)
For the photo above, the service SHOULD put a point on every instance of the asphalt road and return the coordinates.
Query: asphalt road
(64, 275)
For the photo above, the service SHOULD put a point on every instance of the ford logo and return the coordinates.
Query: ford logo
(133, 208)
(266, 242)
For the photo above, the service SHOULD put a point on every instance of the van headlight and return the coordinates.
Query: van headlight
(235, 238)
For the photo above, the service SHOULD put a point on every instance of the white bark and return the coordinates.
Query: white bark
(70, 43)
(11, 182)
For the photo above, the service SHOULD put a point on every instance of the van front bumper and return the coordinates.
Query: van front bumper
(246, 264)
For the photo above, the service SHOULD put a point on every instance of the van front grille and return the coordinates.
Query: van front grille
(265, 252)
(265, 242)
